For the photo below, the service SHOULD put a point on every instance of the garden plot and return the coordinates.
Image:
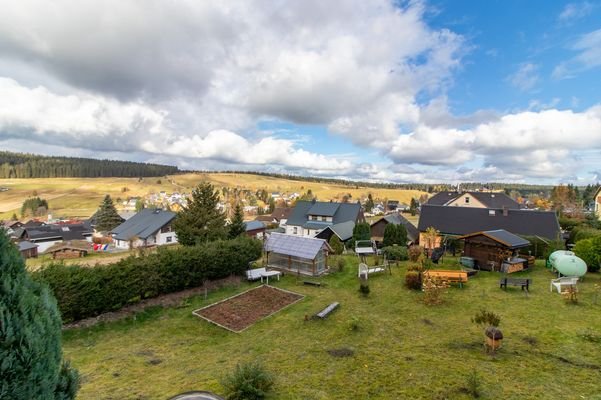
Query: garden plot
(238, 312)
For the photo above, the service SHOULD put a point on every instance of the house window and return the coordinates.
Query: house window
(166, 228)
(313, 217)
(323, 218)
(169, 239)
(467, 200)
(491, 213)
(295, 230)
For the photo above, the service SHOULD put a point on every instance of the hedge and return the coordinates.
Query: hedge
(590, 251)
(84, 292)
(396, 253)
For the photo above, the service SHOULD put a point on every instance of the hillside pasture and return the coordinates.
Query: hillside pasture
(80, 197)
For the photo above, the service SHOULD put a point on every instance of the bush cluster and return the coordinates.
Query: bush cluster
(413, 280)
(415, 252)
(249, 381)
(396, 253)
(84, 292)
(590, 252)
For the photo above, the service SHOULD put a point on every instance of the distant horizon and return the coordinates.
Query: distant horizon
(422, 91)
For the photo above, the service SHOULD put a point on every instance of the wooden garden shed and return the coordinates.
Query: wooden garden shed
(496, 250)
(71, 249)
(297, 254)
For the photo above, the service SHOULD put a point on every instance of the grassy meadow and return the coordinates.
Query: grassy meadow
(403, 349)
(80, 197)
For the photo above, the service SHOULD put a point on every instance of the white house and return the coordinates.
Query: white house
(149, 227)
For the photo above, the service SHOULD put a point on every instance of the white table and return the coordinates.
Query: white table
(267, 274)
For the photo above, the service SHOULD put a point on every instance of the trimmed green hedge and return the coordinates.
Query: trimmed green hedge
(84, 292)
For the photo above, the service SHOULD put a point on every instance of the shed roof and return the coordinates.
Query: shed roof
(465, 220)
(501, 236)
(254, 225)
(295, 246)
(343, 230)
(398, 219)
(25, 245)
(143, 224)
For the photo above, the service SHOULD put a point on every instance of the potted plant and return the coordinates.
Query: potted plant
(494, 336)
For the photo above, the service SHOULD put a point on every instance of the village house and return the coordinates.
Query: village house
(459, 221)
(377, 228)
(597, 199)
(149, 227)
(473, 199)
(308, 218)
(255, 229)
(28, 249)
(46, 236)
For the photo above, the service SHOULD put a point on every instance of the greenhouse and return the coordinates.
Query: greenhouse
(297, 254)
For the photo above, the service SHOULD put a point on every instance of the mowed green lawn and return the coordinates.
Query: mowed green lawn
(403, 348)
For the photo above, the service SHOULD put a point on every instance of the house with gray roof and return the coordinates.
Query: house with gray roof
(149, 227)
(473, 199)
(309, 218)
(255, 228)
(45, 236)
(459, 221)
(377, 228)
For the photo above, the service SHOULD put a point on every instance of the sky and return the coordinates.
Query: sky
(397, 91)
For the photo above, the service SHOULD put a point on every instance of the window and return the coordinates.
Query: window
(467, 200)
(295, 230)
(169, 239)
(313, 217)
(491, 213)
(323, 218)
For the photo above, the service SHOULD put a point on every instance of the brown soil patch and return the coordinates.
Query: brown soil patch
(241, 311)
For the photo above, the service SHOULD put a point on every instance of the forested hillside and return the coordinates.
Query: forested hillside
(19, 165)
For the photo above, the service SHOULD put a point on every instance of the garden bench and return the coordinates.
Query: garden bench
(565, 281)
(326, 311)
(365, 270)
(451, 276)
(523, 282)
(255, 274)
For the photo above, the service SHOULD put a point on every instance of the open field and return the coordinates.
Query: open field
(403, 349)
(80, 197)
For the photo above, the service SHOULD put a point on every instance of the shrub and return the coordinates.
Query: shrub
(415, 252)
(340, 264)
(433, 289)
(336, 245)
(473, 385)
(413, 280)
(396, 253)
(487, 318)
(84, 292)
(249, 381)
(590, 252)
(582, 233)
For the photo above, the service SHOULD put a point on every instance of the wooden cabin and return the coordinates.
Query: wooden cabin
(73, 249)
(496, 250)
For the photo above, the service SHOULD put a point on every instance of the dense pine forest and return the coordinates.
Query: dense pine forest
(19, 165)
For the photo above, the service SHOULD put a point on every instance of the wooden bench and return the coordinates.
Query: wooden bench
(326, 311)
(523, 282)
(451, 276)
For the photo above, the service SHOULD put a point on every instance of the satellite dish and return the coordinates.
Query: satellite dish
(196, 395)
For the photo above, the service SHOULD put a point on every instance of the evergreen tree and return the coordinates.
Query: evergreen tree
(31, 365)
(200, 221)
(271, 204)
(361, 231)
(369, 204)
(107, 217)
(237, 227)
(14, 217)
(394, 234)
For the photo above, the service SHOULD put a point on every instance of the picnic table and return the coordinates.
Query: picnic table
(523, 282)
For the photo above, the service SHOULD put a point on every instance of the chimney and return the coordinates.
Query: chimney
(505, 211)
